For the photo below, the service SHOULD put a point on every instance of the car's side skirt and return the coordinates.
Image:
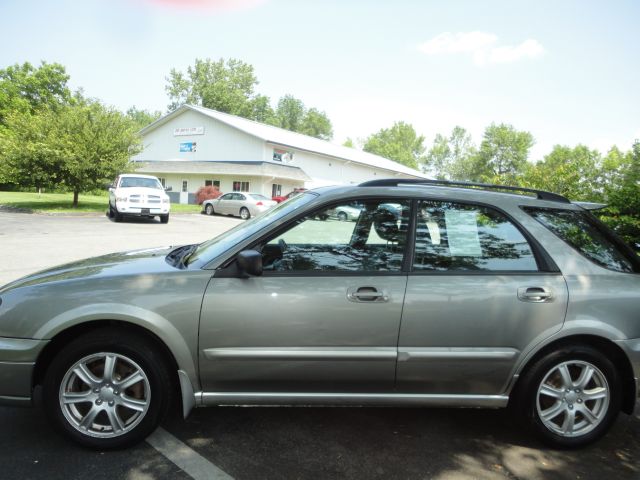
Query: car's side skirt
(355, 399)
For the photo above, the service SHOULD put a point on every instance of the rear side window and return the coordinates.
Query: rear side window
(460, 237)
(587, 235)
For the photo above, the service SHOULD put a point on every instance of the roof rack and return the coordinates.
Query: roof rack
(394, 182)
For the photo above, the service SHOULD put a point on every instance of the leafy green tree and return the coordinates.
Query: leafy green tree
(290, 113)
(573, 172)
(79, 146)
(349, 143)
(262, 111)
(502, 156)
(449, 157)
(224, 86)
(142, 118)
(317, 124)
(623, 194)
(28, 88)
(399, 143)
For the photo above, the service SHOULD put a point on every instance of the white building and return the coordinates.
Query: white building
(195, 146)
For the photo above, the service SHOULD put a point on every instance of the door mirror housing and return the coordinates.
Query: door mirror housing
(168, 189)
(249, 263)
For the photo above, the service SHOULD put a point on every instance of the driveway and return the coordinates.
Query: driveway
(282, 443)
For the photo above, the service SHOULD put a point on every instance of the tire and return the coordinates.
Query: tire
(164, 218)
(244, 213)
(123, 415)
(570, 397)
(209, 209)
(342, 216)
(117, 217)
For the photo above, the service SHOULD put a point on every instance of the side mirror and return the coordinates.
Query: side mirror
(168, 189)
(249, 263)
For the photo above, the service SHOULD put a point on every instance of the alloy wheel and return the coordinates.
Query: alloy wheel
(573, 398)
(104, 395)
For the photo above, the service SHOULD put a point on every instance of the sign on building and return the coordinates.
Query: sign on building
(182, 132)
(188, 147)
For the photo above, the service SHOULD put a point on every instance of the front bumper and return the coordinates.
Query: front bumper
(17, 360)
(142, 210)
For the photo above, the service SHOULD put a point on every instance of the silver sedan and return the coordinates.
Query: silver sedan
(240, 204)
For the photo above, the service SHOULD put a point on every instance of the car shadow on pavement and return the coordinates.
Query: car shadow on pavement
(401, 443)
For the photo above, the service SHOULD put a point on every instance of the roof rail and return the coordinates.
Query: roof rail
(394, 182)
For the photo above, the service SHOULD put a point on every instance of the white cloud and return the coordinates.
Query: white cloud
(482, 47)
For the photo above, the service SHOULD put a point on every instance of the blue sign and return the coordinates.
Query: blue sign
(188, 147)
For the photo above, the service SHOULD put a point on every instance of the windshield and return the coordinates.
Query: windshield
(210, 249)
(130, 182)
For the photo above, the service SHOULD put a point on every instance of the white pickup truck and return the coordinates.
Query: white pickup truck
(138, 195)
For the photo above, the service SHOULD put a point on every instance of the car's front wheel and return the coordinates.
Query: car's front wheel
(106, 390)
(164, 218)
(208, 209)
(570, 397)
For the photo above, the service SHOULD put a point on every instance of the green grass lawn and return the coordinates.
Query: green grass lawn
(62, 203)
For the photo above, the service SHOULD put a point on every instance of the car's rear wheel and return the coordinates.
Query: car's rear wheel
(106, 390)
(208, 209)
(164, 218)
(244, 213)
(570, 397)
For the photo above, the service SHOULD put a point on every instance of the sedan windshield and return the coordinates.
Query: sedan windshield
(210, 249)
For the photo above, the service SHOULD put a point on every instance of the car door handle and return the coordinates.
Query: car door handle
(535, 294)
(366, 294)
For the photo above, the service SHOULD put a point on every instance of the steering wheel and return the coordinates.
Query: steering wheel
(283, 245)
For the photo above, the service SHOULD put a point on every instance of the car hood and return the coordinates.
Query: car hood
(114, 264)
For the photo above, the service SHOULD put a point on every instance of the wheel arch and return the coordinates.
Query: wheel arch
(61, 338)
(604, 345)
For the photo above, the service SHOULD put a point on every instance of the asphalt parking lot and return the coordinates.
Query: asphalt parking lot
(248, 443)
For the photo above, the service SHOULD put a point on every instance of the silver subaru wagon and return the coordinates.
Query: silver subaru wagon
(439, 294)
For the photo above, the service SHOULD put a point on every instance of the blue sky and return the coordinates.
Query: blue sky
(567, 71)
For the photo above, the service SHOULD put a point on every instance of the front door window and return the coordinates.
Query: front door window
(360, 236)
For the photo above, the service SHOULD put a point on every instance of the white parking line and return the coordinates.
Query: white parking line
(191, 462)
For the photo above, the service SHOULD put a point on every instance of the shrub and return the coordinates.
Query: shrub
(207, 193)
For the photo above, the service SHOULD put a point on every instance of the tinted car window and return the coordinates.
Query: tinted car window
(373, 239)
(588, 236)
(451, 237)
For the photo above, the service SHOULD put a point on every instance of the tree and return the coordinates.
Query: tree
(573, 172)
(349, 143)
(399, 143)
(290, 113)
(25, 88)
(502, 156)
(623, 195)
(449, 157)
(229, 87)
(224, 86)
(317, 124)
(142, 118)
(80, 146)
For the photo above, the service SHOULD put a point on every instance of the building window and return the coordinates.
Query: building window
(282, 155)
(185, 186)
(163, 181)
(240, 186)
(209, 183)
(276, 190)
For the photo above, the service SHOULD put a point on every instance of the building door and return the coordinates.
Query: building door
(184, 192)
